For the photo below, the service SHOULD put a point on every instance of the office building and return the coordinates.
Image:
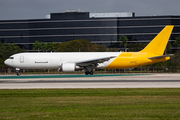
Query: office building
(101, 28)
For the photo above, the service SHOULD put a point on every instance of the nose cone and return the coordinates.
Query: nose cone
(7, 62)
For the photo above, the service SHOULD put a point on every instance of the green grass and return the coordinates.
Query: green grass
(90, 104)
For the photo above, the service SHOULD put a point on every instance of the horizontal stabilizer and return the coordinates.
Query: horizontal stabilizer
(162, 56)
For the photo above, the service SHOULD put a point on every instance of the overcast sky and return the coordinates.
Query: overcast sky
(37, 9)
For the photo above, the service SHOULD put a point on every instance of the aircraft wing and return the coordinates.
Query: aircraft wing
(93, 61)
(163, 56)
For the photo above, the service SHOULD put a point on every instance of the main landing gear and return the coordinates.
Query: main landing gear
(89, 70)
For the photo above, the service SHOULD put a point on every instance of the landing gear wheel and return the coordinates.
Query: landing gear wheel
(89, 72)
(18, 73)
(86, 73)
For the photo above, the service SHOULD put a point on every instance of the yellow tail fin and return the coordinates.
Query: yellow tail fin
(158, 44)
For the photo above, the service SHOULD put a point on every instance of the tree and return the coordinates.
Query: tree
(74, 46)
(80, 45)
(135, 47)
(52, 46)
(168, 48)
(124, 40)
(97, 48)
(177, 42)
(175, 59)
(112, 50)
(6, 51)
(37, 45)
(45, 47)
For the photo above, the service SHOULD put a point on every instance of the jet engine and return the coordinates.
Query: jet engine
(68, 67)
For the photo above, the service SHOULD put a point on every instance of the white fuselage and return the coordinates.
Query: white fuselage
(54, 60)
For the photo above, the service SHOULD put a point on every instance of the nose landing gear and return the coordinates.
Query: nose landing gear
(18, 72)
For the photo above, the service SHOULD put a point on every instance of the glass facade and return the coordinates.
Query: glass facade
(63, 27)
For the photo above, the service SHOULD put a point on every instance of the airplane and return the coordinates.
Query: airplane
(71, 61)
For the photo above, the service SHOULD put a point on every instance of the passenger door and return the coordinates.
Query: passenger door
(21, 59)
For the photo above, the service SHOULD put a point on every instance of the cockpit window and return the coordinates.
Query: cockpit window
(11, 57)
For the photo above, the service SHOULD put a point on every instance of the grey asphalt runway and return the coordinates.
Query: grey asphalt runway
(99, 81)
